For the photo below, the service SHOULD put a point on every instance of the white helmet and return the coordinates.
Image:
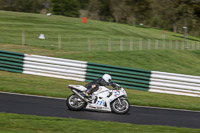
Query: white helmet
(107, 78)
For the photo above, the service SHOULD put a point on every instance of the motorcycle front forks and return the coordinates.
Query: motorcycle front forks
(120, 101)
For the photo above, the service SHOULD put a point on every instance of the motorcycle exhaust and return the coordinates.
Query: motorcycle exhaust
(81, 97)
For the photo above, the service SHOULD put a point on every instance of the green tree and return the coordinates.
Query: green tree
(68, 8)
(176, 14)
(119, 10)
(84, 4)
(139, 10)
(105, 11)
(34, 6)
(93, 9)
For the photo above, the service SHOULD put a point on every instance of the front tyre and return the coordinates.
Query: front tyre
(122, 108)
(73, 102)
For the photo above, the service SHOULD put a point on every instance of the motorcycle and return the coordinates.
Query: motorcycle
(104, 99)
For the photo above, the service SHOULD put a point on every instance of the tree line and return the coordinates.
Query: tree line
(165, 14)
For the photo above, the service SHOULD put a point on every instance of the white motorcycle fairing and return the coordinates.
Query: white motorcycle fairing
(78, 87)
(102, 98)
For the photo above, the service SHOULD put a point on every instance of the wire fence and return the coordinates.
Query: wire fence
(62, 42)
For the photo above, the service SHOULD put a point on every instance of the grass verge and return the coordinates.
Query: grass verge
(37, 85)
(14, 123)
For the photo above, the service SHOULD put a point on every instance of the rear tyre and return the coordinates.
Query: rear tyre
(122, 108)
(73, 102)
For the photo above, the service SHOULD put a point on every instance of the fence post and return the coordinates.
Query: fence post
(121, 44)
(164, 44)
(140, 44)
(182, 45)
(59, 42)
(193, 46)
(109, 45)
(177, 44)
(149, 44)
(156, 44)
(23, 38)
(131, 45)
(89, 47)
(170, 44)
(188, 45)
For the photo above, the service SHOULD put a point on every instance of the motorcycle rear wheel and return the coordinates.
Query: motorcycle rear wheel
(73, 102)
(120, 109)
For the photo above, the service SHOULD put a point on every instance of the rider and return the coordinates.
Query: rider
(93, 86)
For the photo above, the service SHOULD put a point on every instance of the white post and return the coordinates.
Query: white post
(121, 44)
(198, 45)
(164, 44)
(188, 44)
(177, 44)
(140, 44)
(182, 45)
(59, 41)
(156, 45)
(89, 47)
(170, 44)
(131, 45)
(109, 45)
(193, 46)
(149, 44)
(23, 38)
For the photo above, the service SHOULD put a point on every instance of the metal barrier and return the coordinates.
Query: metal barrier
(11, 61)
(152, 81)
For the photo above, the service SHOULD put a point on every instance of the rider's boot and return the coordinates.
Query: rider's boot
(87, 95)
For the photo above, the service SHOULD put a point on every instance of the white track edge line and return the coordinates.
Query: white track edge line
(48, 97)
(183, 110)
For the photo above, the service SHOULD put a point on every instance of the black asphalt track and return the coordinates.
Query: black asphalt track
(20, 104)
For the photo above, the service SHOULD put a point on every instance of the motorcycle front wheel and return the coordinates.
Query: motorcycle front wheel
(73, 102)
(120, 107)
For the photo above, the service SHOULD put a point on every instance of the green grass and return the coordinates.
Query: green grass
(37, 85)
(175, 61)
(14, 123)
(75, 34)
(185, 62)
(74, 44)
